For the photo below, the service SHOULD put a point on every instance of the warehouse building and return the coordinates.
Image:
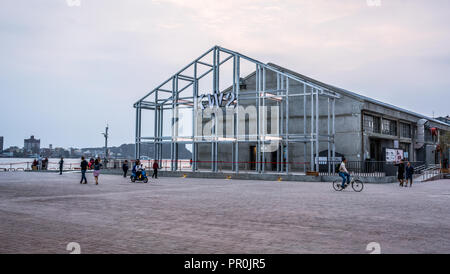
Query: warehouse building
(273, 119)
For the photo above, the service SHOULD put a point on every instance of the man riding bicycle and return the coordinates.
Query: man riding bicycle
(344, 173)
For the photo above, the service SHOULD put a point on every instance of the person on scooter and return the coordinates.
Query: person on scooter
(136, 169)
(140, 170)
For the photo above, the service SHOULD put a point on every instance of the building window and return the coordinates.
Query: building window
(242, 84)
(389, 127)
(405, 130)
(371, 124)
(405, 147)
(368, 123)
(428, 136)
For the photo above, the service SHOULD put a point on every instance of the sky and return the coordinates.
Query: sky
(69, 67)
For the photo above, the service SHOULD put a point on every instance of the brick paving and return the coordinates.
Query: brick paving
(43, 212)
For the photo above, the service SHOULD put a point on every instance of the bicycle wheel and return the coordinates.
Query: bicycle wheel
(357, 185)
(337, 185)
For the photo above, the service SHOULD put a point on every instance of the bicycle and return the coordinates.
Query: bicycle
(357, 185)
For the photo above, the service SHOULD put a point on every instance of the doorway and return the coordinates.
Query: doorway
(252, 153)
(274, 160)
(375, 150)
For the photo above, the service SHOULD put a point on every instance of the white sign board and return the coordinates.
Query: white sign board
(394, 155)
(323, 160)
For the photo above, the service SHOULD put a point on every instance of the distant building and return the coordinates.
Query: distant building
(445, 119)
(46, 152)
(75, 152)
(1, 144)
(7, 154)
(32, 145)
(61, 152)
(12, 151)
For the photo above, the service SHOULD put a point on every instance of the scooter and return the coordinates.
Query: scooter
(141, 178)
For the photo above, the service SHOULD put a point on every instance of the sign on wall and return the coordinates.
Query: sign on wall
(323, 160)
(217, 99)
(394, 155)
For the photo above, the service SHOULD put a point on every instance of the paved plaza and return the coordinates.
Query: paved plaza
(43, 212)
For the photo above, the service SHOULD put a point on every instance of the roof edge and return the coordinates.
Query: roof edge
(357, 96)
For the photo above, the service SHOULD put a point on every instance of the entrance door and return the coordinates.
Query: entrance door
(274, 160)
(252, 153)
(375, 150)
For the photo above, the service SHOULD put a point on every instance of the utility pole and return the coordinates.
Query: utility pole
(106, 135)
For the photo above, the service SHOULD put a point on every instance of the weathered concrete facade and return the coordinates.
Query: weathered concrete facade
(276, 120)
(353, 138)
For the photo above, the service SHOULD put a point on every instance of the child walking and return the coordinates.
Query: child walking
(97, 166)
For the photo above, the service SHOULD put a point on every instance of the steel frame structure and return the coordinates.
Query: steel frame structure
(174, 102)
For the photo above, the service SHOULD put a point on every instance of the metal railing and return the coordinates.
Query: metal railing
(358, 168)
(428, 173)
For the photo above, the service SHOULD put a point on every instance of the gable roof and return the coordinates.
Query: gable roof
(356, 95)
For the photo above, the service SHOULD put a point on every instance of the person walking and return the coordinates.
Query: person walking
(401, 172)
(40, 163)
(61, 165)
(45, 164)
(34, 165)
(91, 163)
(343, 172)
(155, 169)
(97, 166)
(125, 168)
(83, 165)
(409, 174)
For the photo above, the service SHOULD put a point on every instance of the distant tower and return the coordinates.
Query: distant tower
(32, 145)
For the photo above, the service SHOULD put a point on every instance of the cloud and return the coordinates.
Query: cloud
(104, 55)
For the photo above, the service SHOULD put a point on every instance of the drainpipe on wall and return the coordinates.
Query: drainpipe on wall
(363, 152)
(420, 133)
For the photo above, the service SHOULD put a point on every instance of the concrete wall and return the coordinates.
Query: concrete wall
(348, 126)
(351, 141)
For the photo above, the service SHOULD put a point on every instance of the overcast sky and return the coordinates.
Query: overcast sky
(65, 71)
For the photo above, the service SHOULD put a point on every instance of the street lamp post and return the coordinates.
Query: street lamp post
(106, 135)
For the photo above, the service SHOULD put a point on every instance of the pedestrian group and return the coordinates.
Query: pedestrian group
(96, 165)
(405, 173)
